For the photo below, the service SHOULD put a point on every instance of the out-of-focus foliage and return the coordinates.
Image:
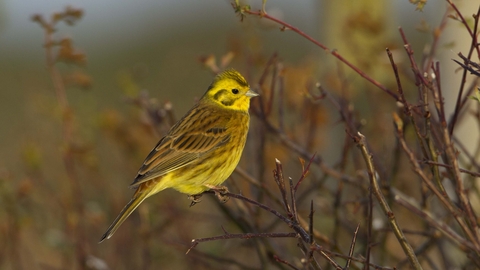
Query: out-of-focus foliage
(77, 166)
(420, 4)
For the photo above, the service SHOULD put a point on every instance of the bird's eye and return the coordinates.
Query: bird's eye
(235, 91)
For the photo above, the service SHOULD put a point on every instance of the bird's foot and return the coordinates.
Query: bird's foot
(220, 192)
(195, 199)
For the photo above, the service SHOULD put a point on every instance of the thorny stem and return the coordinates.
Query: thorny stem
(407, 248)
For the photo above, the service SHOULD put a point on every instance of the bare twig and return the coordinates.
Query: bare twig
(352, 247)
(304, 173)
(295, 226)
(407, 248)
(449, 166)
(284, 262)
(228, 235)
(285, 26)
(360, 260)
(278, 176)
(433, 221)
(442, 197)
(474, 46)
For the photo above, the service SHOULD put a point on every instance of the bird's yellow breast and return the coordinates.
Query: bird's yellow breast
(214, 168)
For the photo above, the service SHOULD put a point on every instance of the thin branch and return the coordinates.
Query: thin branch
(278, 176)
(449, 166)
(432, 221)
(286, 26)
(304, 173)
(352, 248)
(377, 267)
(407, 248)
(306, 155)
(310, 227)
(469, 65)
(295, 226)
(228, 235)
(293, 201)
(473, 46)
(442, 197)
(250, 179)
(330, 259)
(397, 78)
(419, 78)
(284, 262)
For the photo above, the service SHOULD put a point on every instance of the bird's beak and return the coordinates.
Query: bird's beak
(250, 93)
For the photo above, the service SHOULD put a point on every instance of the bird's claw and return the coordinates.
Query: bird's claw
(220, 193)
(195, 199)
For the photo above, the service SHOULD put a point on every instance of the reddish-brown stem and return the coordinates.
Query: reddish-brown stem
(450, 167)
(397, 78)
(419, 78)
(278, 259)
(473, 34)
(286, 26)
(474, 46)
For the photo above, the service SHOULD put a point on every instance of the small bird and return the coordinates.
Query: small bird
(201, 150)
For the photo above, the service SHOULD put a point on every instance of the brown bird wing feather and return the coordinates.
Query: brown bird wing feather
(186, 141)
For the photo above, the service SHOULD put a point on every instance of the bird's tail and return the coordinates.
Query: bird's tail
(138, 198)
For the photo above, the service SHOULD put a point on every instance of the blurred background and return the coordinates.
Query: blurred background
(159, 52)
(160, 41)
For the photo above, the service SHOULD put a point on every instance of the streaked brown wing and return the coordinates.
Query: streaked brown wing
(186, 142)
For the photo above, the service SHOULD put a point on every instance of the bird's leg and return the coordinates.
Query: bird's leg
(220, 192)
(195, 199)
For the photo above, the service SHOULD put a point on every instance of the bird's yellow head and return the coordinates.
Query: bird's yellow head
(230, 90)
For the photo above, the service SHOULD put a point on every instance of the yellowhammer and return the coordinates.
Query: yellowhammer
(201, 150)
